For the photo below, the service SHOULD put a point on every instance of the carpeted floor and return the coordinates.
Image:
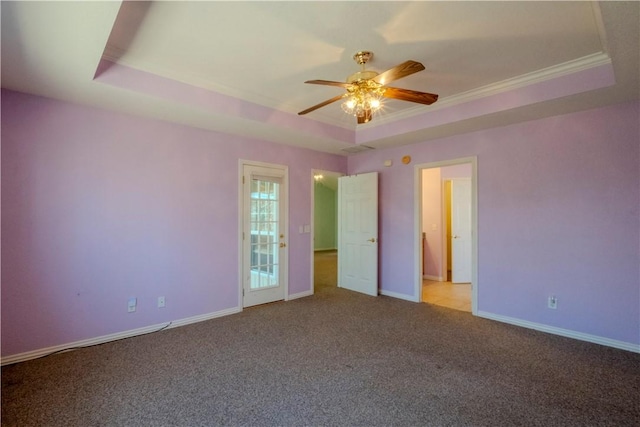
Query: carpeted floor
(337, 358)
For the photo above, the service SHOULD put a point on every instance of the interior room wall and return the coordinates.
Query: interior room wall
(325, 217)
(98, 207)
(557, 215)
(456, 171)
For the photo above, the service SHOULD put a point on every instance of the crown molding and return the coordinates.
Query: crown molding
(524, 80)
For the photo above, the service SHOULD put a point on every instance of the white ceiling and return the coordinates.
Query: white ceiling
(239, 67)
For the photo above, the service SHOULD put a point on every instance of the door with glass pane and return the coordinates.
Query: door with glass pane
(264, 240)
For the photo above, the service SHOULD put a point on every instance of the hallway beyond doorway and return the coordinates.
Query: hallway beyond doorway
(325, 269)
(446, 294)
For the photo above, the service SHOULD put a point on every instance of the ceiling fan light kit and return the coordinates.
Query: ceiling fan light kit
(366, 89)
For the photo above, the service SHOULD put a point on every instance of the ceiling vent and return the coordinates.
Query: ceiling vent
(357, 149)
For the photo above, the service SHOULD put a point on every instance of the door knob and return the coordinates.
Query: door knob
(283, 245)
(455, 236)
(372, 240)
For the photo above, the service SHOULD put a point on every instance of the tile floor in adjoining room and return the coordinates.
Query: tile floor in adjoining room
(447, 294)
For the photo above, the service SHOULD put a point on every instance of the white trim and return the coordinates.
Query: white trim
(433, 278)
(34, 354)
(399, 296)
(203, 317)
(562, 332)
(240, 258)
(301, 295)
(602, 32)
(518, 82)
(417, 226)
(312, 235)
(549, 73)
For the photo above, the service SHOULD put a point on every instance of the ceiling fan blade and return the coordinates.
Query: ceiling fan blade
(399, 71)
(329, 83)
(410, 95)
(322, 104)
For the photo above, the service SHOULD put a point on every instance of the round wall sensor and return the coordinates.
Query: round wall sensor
(406, 160)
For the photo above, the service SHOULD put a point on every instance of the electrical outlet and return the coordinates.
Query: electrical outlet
(131, 304)
(552, 302)
(160, 302)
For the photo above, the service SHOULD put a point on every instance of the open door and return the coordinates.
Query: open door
(358, 233)
(461, 230)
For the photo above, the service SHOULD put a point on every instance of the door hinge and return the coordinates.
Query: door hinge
(243, 179)
(242, 291)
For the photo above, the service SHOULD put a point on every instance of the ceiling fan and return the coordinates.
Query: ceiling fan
(366, 89)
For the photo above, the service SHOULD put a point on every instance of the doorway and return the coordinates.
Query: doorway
(356, 227)
(324, 241)
(446, 220)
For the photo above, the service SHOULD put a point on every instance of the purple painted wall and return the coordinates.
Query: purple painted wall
(456, 171)
(98, 207)
(558, 213)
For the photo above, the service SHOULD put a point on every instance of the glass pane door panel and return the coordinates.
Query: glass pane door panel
(265, 210)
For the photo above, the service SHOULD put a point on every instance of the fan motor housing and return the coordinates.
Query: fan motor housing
(361, 75)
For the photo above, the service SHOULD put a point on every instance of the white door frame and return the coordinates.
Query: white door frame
(418, 230)
(285, 170)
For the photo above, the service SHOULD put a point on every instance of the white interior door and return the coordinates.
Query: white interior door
(461, 230)
(358, 233)
(264, 241)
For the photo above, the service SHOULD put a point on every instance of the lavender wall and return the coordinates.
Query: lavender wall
(558, 213)
(98, 207)
(456, 171)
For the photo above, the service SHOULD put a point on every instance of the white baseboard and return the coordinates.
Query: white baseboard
(434, 278)
(562, 332)
(203, 317)
(399, 296)
(34, 354)
(300, 295)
